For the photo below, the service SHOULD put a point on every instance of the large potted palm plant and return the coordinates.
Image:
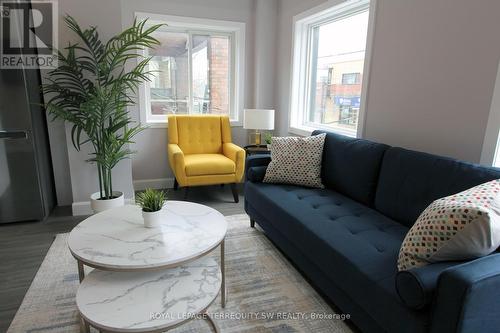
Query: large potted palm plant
(92, 88)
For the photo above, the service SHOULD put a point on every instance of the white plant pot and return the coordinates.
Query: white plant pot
(268, 146)
(99, 205)
(151, 219)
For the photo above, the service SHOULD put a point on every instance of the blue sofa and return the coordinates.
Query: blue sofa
(346, 238)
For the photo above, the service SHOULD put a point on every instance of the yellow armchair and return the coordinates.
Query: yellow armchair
(200, 152)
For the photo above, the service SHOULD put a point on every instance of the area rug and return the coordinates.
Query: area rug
(265, 292)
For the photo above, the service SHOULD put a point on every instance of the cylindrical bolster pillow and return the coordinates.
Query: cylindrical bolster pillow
(416, 286)
(256, 174)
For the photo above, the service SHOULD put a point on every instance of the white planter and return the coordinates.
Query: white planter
(99, 205)
(151, 219)
(268, 146)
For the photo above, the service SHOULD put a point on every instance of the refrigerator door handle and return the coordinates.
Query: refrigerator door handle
(14, 135)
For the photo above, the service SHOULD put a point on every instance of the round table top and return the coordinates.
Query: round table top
(116, 239)
(148, 301)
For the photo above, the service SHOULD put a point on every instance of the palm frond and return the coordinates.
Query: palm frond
(91, 89)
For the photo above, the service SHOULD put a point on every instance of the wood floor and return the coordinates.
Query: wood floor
(23, 246)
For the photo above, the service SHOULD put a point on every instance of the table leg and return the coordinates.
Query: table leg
(84, 326)
(81, 271)
(223, 270)
(212, 323)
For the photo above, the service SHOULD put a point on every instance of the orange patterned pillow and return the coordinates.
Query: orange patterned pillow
(462, 226)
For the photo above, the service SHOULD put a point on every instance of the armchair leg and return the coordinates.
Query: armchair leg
(252, 223)
(186, 190)
(176, 184)
(234, 189)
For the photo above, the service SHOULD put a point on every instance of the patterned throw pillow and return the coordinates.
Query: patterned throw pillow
(296, 161)
(462, 226)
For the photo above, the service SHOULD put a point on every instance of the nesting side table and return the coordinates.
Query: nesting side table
(149, 279)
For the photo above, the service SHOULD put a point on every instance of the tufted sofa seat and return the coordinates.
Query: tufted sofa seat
(346, 237)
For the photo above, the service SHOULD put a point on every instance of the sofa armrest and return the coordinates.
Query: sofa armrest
(237, 155)
(467, 298)
(177, 164)
(259, 160)
(417, 287)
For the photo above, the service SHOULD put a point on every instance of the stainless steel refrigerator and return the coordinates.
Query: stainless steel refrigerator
(26, 177)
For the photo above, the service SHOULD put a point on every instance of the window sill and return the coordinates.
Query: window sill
(162, 124)
(307, 130)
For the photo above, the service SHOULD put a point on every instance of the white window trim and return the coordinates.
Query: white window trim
(300, 66)
(490, 154)
(237, 61)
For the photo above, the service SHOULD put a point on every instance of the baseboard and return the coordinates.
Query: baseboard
(83, 207)
(159, 183)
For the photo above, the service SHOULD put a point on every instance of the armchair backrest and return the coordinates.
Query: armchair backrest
(199, 134)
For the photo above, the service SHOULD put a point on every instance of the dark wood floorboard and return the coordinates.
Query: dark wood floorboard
(24, 245)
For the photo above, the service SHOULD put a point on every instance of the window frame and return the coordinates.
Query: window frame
(490, 154)
(197, 26)
(300, 85)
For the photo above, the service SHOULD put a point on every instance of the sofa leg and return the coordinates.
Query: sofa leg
(252, 223)
(186, 190)
(176, 184)
(234, 189)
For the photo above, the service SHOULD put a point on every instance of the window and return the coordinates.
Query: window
(329, 56)
(197, 69)
(351, 78)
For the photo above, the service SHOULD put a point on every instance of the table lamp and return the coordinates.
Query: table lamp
(258, 119)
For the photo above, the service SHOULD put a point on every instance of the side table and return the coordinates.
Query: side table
(256, 149)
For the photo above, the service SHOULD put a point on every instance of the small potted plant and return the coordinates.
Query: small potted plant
(151, 201)
(268, 138)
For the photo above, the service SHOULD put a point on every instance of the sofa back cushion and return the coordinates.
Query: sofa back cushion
(351, 166)
(409, 181)
(199, 134)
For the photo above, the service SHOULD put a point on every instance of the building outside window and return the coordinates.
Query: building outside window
(351, 78)
(329, 54)
(194, 69)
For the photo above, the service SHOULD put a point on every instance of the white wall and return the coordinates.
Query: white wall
(266, 14)
(432, 75)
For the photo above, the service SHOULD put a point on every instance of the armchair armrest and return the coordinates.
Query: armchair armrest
(237, 155)
(176, 161)
(467, 298)
(260, 163)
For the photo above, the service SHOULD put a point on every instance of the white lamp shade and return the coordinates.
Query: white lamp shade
(258, 119)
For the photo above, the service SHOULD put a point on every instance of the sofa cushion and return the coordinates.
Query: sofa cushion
(208, 164)
(355, 246)
(409, 181)
(324, 221)
(351, 166)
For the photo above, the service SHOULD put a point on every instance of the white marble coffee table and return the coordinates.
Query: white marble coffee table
(117, 241)
(151, 301)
